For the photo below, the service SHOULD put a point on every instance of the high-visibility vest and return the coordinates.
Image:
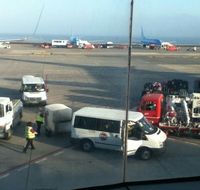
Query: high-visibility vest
(40, 118)
(29, 132)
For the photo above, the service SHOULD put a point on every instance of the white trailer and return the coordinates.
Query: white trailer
(57, 119)
(59, 43)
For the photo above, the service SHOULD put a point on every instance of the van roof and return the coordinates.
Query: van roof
(4, 100)
(107, 113)
(30, 79)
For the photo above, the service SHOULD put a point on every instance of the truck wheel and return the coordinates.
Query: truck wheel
(87, 145)
(145, 153)
(8, 134)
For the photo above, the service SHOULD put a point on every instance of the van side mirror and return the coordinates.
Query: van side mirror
(8, 108)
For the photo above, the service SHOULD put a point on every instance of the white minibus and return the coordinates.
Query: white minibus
(103, 128)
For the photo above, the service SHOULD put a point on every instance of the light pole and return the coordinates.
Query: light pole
(125, 137)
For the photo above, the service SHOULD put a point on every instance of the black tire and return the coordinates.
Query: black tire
(145, 153)
(87, 145)
(21, 115)
(8, 134)
(44, 103)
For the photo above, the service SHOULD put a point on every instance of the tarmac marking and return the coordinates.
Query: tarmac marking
(192, 143)
(41, 160)
(58, 153)
(179, 140)
(4, 176)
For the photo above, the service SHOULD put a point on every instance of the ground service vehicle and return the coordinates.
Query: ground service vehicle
(151, 105)
(103, 128)
(5, 45)
(109, 45)
(45, 45)
(171, 48)
(175, 112)
(10, 115)
(57, 119)
(59, 43)
(34, 90)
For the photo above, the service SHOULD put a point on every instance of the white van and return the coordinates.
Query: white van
(103, 128)
(33, 90)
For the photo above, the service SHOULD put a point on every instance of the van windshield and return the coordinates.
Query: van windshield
(146, 126)
(33, 87)
(143, 125)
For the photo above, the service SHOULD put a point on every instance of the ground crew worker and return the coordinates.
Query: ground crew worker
(30, 135)
(39, 121)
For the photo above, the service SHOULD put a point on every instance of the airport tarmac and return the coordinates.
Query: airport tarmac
(97, 77)
(94, 77)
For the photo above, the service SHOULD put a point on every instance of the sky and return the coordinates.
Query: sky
(101, 17)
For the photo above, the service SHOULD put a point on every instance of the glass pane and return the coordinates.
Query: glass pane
(80, 50)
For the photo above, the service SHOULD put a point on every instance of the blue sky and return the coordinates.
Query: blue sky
(101, 17)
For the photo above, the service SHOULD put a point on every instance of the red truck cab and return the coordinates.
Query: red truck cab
(151, 106)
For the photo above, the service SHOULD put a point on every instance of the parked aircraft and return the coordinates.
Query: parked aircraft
(149, 42)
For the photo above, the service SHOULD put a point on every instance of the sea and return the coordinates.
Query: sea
(40, 38)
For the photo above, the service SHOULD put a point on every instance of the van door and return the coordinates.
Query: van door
(108, 134)
(135, 135)
(103, 133)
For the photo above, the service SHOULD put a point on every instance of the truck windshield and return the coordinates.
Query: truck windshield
(33, 88)
(1, 110)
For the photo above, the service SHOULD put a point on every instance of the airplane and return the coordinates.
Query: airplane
(149, 42)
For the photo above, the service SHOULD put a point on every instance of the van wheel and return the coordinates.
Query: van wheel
(21, 115)
(44, 103)
(8, 134)
(145, 153)
(87, 145)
